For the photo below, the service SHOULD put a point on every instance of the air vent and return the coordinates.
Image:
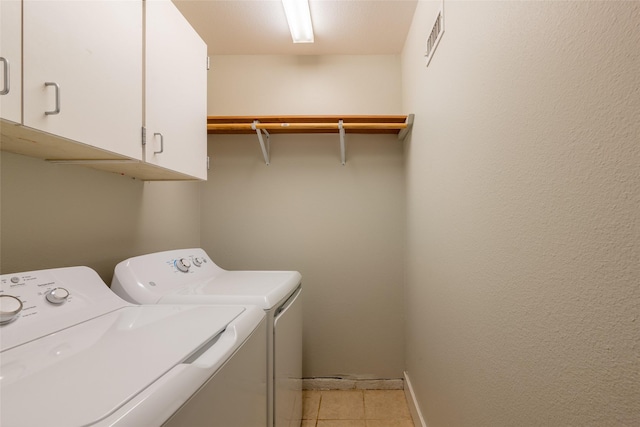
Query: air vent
(434, 37)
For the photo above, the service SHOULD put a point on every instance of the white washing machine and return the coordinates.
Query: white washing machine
(72, 353)
(189, 276)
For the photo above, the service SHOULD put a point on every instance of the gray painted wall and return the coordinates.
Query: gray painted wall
(342, 227)
(523, 214)
(54, 215)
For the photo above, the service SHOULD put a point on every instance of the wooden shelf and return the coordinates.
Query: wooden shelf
(264, 126)
(380, 124)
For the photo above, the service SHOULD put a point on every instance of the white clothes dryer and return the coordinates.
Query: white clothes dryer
(189, 276)
(72, 353)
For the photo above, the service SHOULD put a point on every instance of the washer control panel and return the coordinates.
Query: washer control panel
(29, 294)
(37, 303)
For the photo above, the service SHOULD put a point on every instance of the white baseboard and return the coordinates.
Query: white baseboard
(352, 384)
(414, 408)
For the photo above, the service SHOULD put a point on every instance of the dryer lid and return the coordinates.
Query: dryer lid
(84, 373)
(265, 289)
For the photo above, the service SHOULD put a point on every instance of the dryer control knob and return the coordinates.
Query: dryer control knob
(57, 295)
(197, 261)
(183, 265)
(10, 307)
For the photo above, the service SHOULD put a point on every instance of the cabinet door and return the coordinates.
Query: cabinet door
(11, 62)
(176, 92)
(92, 51)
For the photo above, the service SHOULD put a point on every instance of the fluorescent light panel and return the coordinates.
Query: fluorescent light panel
(299, 19)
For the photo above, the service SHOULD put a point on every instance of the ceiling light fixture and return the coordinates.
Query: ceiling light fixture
(299, 19)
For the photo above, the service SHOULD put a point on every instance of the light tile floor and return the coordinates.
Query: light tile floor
(355, 408)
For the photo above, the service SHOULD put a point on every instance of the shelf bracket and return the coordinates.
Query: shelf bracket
(404, 132)
(342, 147)
(266, 148)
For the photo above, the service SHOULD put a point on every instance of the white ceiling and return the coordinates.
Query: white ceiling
(259, 27)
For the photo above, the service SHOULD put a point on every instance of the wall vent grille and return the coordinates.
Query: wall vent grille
(434, 37)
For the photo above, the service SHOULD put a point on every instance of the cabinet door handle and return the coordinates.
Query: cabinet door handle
(57, 88)
(161, 143)
(5, 65)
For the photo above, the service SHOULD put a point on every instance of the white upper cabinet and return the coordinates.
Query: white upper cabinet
(10, 60)
(176, 92)
(73, 89)
(82, 68)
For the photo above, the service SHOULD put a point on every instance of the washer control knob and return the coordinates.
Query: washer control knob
(183, 265)
(10, 307)
(197, 261)
(57, 295)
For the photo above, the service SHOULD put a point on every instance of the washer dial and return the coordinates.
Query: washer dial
(57, 295)
(10, 307)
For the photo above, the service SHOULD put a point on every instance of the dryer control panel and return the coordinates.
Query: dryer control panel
(189, 263)
(175, 267)
(145, 279)
(37, 303)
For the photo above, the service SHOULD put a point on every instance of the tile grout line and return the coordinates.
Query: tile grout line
(366, 416)
(318, 412)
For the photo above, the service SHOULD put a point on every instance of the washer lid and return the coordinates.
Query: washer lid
(82, 374)
(264, 289)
